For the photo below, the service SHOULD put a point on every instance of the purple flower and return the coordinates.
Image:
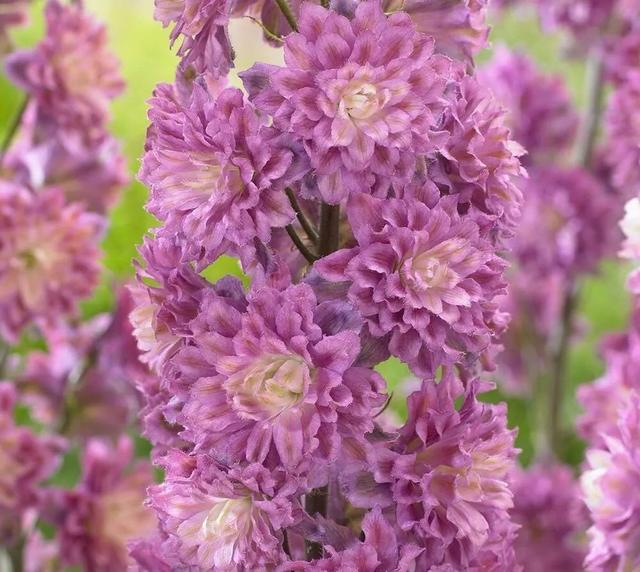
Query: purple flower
(380, 551)
(444, 479)
(609, 485)
(363, 95)
(623, 131)
(216, 172)
(71, 74)
(548, 508)
(43, 156)
(267, 384)
(48, 257)
(459, 27)
(105, 510)
(223, 519)
(201, 25)
(568, 222)
(540, 111)
(26, 460)
(603, 399)
(422, 274)
(585, 19)
(479, 163)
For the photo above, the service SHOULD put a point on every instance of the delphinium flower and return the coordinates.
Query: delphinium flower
(96, 519)
(200, 26)
(41, 157)
(552, 520)
(71, 73)
(217, 173)
(48, 256)
(362, 95)
(224, 519)
(426, 276)
(459, 27)
(540, 111)
(479, 163)
(444, 479)
(275, 387)
(603, 399)
(26, 461)
(609, 486)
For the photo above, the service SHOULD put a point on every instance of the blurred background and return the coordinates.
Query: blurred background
(142, 45)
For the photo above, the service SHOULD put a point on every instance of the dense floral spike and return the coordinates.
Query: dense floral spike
(549, 511)
(224, 519)
(71, 74)
(479, 163)
(362, 95)
(610, 486)
(279, 383)
(201, 27)
(444, 481)
(540, 111)
(26, 460)
(48, 257)
(105, 510)
(217, 173)
(459, 27)
(422, 274)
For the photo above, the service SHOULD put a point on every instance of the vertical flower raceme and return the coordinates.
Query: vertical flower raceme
(48, 257)
(366, 185)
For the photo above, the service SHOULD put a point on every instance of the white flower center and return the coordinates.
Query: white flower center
(360, 100)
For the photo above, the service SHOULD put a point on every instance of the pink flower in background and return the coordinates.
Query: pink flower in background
(12, 13)
(423, 274)
(609, 487)
(552, 519)
(48, 257)
(459, 27)
(217, 173)
(223, 519)
(98, 517)
(362, 95)
(71, 74)
(26, 461)
(540, 112)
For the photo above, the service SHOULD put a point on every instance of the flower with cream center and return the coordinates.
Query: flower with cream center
(360, 101)
(269, 386)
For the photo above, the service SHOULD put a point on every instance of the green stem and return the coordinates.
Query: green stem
(311, 233)
(13, 129)
(288, 13)
(293, 235)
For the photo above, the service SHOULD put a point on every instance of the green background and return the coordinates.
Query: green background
(142, 46)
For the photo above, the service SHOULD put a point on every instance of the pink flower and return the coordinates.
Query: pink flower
(71, 74)
(422, 274)
(216, 172)
(363, 95)
(48, 257)
(106, 509)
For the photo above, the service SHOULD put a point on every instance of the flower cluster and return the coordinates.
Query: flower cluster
(67, 379)
(367, 186)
